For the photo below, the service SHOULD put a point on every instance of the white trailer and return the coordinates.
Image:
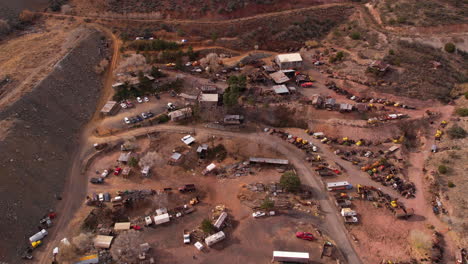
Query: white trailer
(38, 236)
(215, 238)
(287, 256)
(220, 221)
(161, 219)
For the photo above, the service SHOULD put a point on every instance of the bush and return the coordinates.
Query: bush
(456, 132)
(442, 169)
(133, 162)
(450, 184)
(355, 35)
(207, 226)
(450, 47)
(290, 181)
(163, 118)
(267, 204)
(27, 16)
(462, 111)
(4, 27)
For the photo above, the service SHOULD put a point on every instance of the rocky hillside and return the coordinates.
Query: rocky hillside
(40, 141)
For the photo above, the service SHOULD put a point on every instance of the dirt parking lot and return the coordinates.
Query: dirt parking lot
(243, 232)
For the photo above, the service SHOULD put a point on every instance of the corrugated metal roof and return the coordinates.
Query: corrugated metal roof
(267, 160)
(290, 57)
(280, 89)
(208, 97)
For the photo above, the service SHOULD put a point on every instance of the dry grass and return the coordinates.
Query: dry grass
(29, 58)
(420, 242)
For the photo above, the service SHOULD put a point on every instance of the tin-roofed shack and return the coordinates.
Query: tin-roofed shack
(269, 161)
(379, 66)
(281, 89)
(288, 61)
(110, 108)
(208, 99)
(209, 89)
(124, 157)
(233, 119)
(122, 226)
(180, 114)
(279, 77)
(103, 241)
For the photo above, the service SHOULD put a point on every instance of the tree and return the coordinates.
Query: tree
(450, 47)
(126, 247)
(207, 226)
(191, 54)
(290, 181)
(457, 132)
(133, 162)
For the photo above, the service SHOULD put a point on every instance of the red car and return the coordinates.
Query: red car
(136, 227)
(117, 171)
(307, 85)
(305, 236)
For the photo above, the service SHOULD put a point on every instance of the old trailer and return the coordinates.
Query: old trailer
(215, 238)
(161, 219)
(288, 256)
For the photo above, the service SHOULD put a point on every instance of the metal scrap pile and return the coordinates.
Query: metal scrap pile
(370, 100)
(385, 173)
(235, 170)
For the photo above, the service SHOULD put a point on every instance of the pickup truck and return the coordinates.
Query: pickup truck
(187, 188)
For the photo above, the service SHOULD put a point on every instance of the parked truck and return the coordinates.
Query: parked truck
(38, 236)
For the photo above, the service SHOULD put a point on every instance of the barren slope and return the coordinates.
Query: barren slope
(39, 146)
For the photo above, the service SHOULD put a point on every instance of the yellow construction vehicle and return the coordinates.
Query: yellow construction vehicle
(35, 244)
(394, 204)
(345, 139)
(438, 134)
(443, 124)
(359, 143)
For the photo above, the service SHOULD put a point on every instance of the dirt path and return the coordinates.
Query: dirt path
(421, 202)
(207, 22)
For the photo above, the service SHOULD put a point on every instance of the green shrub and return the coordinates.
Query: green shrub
(442, 169)
(355, 35)
(163, 118)
(267, 204)
(462, 111)
(450, 47)
(466, 95)
(290, 181)
(450, 184)
(133, 162)
(207, 226)
(456, 132)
